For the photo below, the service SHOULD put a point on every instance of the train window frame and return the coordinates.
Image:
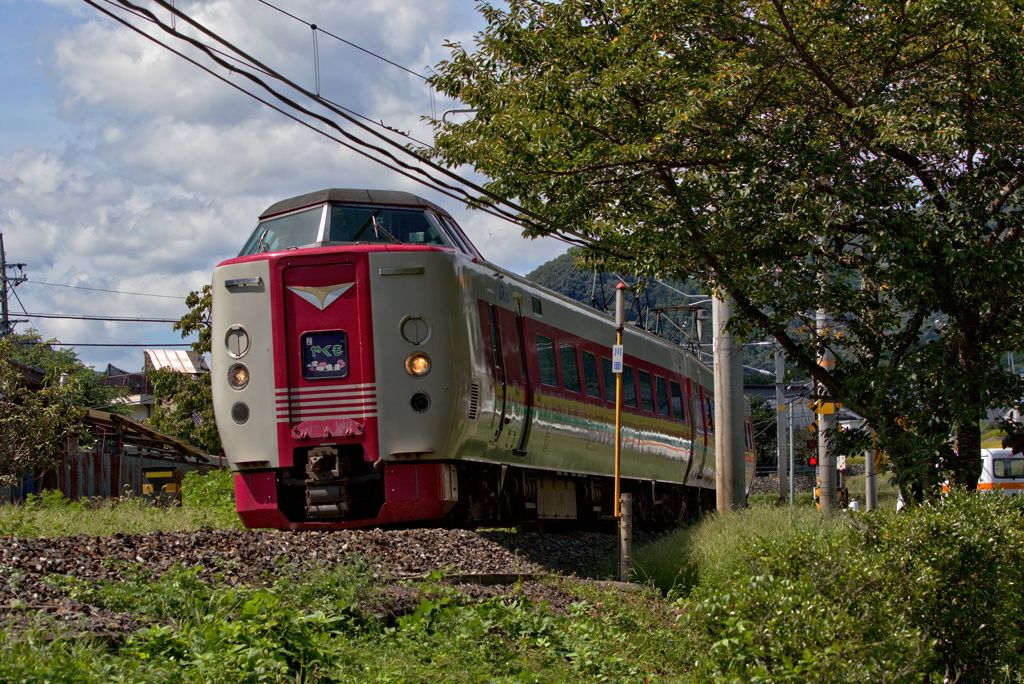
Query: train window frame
(609, 380)
(567, 356)
(628, 383)
(697, 410)
(382, 235)
(549, 346)
(646, 401)
(587, 380)
(461, 240)
(661, 393)
(257, 242)
(709, 406)
(679, 412)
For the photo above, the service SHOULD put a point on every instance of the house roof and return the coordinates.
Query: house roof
(177, 360)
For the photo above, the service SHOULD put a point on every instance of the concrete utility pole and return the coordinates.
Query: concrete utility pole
(826, 407)
(729, 428)
(780, 424)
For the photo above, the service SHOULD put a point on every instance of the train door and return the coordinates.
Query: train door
(509, 344)
(695, 395)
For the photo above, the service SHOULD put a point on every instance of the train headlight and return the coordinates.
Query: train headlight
(417, 364)
(237, 341)
(238, 376)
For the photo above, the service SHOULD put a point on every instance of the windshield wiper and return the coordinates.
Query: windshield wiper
(261, 246)
(378, 227)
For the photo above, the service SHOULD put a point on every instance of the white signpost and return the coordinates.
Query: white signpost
(616, 358)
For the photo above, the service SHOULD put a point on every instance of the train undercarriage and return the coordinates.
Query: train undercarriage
(334, 486)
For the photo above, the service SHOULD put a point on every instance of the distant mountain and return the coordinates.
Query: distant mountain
(598, 290)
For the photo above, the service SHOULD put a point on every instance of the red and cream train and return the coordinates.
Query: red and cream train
(371, 368)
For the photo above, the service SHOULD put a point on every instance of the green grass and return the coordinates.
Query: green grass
(992, 438)
(207, 503)
(321, 627)
(763, 594)
(719, 545)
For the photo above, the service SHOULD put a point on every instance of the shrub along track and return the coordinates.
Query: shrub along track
(483, 564)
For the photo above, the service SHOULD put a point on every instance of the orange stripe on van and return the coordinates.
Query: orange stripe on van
(989, 486)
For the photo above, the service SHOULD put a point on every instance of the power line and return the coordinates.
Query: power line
(119, 319)
(465, 199)
(100, 289)
(154, 345)
(346, 42)
(488, 200)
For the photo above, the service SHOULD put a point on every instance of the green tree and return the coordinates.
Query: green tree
(864, 157)
(184, 403)
(38, 420)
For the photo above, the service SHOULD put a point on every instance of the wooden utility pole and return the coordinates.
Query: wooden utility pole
(729, 443)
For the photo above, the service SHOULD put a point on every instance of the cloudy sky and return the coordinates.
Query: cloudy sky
(123, 167)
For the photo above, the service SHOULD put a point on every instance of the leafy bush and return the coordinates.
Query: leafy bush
(956, 569)
(931, 594)
(212, 491)
(799, 612)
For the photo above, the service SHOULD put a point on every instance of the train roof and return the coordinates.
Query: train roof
(351, 195)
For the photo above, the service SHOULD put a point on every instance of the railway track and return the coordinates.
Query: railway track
(483, 563)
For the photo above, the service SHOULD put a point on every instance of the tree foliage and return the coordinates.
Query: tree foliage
(184, 403)
(38, 421)
(862, 157)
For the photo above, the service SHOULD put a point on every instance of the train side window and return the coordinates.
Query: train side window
(628, 387)
(609, 380)
(546, 361)
(663, 396)
(748, 439)
(590, 383)
(570, 368)
(709, 405)
(646, 398)
(677, 399)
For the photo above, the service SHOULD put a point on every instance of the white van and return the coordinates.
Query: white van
(1001, 471)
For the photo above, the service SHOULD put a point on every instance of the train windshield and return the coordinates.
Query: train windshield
(287, 232)
(383, 225)
(348, 224)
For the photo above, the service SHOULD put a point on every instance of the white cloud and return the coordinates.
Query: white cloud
(168, 168)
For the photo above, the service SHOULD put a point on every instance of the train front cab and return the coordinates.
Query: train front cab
(318, 346)
(1002, 472)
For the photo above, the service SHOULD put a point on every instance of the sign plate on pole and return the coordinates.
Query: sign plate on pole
(616, 358)
(841, 462)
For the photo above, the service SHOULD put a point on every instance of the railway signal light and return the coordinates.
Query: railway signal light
(812, 461)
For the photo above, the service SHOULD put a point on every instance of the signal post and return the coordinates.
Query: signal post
(623, 502)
